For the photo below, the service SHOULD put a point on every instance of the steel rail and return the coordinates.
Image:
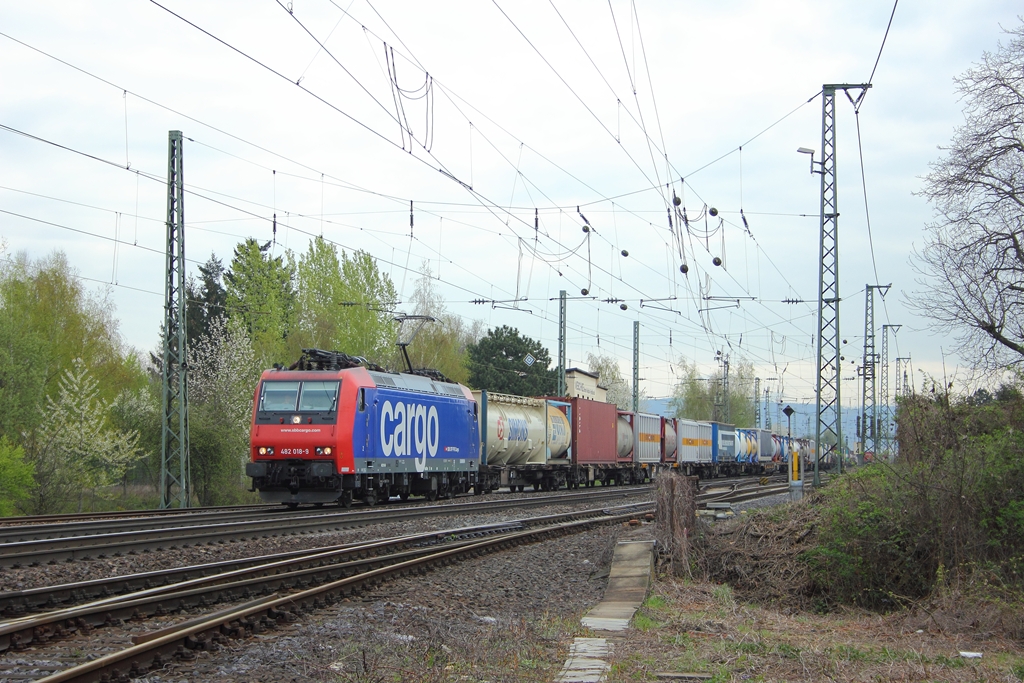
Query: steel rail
(92, 527)
(113, 544)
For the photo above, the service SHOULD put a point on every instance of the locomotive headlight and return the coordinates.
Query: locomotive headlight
(327, 450)
(296, 419)
(319, 451)
(263, 450)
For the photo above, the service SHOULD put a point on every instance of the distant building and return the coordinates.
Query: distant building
(582, 384)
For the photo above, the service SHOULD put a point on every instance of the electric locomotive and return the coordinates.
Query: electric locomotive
(329, 429)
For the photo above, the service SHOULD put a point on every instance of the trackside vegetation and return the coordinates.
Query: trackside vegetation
(950, 508)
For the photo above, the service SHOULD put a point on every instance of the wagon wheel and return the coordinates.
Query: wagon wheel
(346, 499)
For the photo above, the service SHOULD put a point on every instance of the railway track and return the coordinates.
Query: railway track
(287, 586)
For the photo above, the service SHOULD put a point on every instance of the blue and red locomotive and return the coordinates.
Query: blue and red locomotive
(331, 435)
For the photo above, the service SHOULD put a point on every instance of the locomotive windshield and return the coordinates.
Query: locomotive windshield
(307, 397)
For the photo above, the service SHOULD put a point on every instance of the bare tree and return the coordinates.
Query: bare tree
(973, 257)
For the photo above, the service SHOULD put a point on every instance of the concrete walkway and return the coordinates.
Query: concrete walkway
(628, 582)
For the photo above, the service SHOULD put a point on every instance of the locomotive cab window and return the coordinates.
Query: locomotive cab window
(318, 397)
(279, 396)
(303, 397)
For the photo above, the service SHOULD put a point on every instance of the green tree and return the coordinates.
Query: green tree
(369, 326)
(345, 303)
(206, 298)
(498, 362)
(320, 297)
(261, 294)
(15, 477)
(75, 449)
(48, 322)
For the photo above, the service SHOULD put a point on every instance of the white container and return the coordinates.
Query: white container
(694, 441)
(648, 438)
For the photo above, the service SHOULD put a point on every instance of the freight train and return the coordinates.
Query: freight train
(333, 429)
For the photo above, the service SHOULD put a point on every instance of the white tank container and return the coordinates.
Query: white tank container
(624, 437)
(521, 430)
(669, 442)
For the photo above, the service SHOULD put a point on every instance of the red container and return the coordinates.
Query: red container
(593, 432)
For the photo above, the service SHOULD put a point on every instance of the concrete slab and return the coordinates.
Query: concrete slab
(586, 663)
(628, 582)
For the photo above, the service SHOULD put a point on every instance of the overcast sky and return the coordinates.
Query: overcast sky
(335, 114)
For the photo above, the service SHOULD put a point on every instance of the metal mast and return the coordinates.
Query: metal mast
(903, 384)
(869, 403)
(561, 344)
(175, 484)
(757, 402)
(636, 366)
(726, 412)
(885, 420)
(829, 430)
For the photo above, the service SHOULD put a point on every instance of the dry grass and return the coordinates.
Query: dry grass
(689, 626)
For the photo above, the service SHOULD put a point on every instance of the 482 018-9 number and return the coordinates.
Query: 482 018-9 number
(294, 451)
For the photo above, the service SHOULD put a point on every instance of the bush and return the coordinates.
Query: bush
(951, 504)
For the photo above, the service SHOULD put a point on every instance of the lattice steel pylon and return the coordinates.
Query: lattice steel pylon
(829, 430)
(888, 416)
(869, 400)
(175, 480)
(903, 384)
(561, 344)
(757, 402)
(636, 366)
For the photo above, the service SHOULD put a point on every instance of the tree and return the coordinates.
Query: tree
(499, 362)
(972, 260)
(75, 449)
(206, 299)
(620, 390)
(345, 303)
(15, 477)
(48, 322)
(696, 397)
(369, 326)
(261, 294)
(224, 371)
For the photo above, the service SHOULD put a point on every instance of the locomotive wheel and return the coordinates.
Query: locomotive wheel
(292, 506)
